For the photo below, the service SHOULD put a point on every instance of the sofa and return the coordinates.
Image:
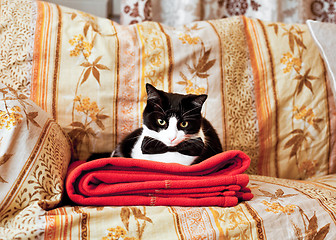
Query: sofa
(72, 85)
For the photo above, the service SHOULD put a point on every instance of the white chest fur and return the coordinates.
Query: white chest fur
(168, 157)
(171, 136)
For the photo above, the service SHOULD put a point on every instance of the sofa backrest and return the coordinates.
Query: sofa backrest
(268, 89)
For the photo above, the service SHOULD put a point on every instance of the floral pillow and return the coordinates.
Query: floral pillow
(34, 156)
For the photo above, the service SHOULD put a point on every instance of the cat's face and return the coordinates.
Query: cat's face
(170, 117)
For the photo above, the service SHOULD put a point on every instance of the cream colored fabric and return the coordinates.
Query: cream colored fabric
(16, 43)
(324, 35)
(34, 155)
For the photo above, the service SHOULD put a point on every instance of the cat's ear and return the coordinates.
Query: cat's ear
(199, 100)
(152, 93)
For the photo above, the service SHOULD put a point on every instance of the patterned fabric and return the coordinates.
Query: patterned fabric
(178, 12)
(16, 43)
(34, 154)
(286, 85)
(321, 10)
(281, 209)
(135, 11)
(272, 103)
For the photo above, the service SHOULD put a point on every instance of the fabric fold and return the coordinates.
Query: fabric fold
(217, 181)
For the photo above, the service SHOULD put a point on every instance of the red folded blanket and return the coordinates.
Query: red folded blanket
(217, 181)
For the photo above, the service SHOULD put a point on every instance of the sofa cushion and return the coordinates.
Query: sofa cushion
(34, 156)
(280, 209)
(267, 87)
(324, 34)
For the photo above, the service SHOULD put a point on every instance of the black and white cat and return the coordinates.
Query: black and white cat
(173, 130)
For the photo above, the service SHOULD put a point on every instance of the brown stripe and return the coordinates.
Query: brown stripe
(84, 226)
(222, 85)
(170, 58)
(177, 223)
(326, 84)
(83, 221)
(260, 79)
(276, 111)
(257, 219)
(322, 185)
(57, 65)
(116, 87)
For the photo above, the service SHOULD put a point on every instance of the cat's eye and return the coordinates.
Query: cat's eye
(161, 122)
(184, 124)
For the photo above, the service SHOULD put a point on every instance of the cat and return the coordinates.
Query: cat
(173, 130)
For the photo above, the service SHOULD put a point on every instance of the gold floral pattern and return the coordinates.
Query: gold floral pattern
(82, 131)
(12, 115)
(291, 62)
(303, 116)
(92, 115)
(90, 109)
(235, 222)
(186, 38)
(119, 233)
(307, 115)
(197, 71)
(276, 207)
(80, 46)
(153, 50)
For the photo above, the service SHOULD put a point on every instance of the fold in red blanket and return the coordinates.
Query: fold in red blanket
(217, 181)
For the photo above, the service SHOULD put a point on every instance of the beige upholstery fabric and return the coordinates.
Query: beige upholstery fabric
(34, 155)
